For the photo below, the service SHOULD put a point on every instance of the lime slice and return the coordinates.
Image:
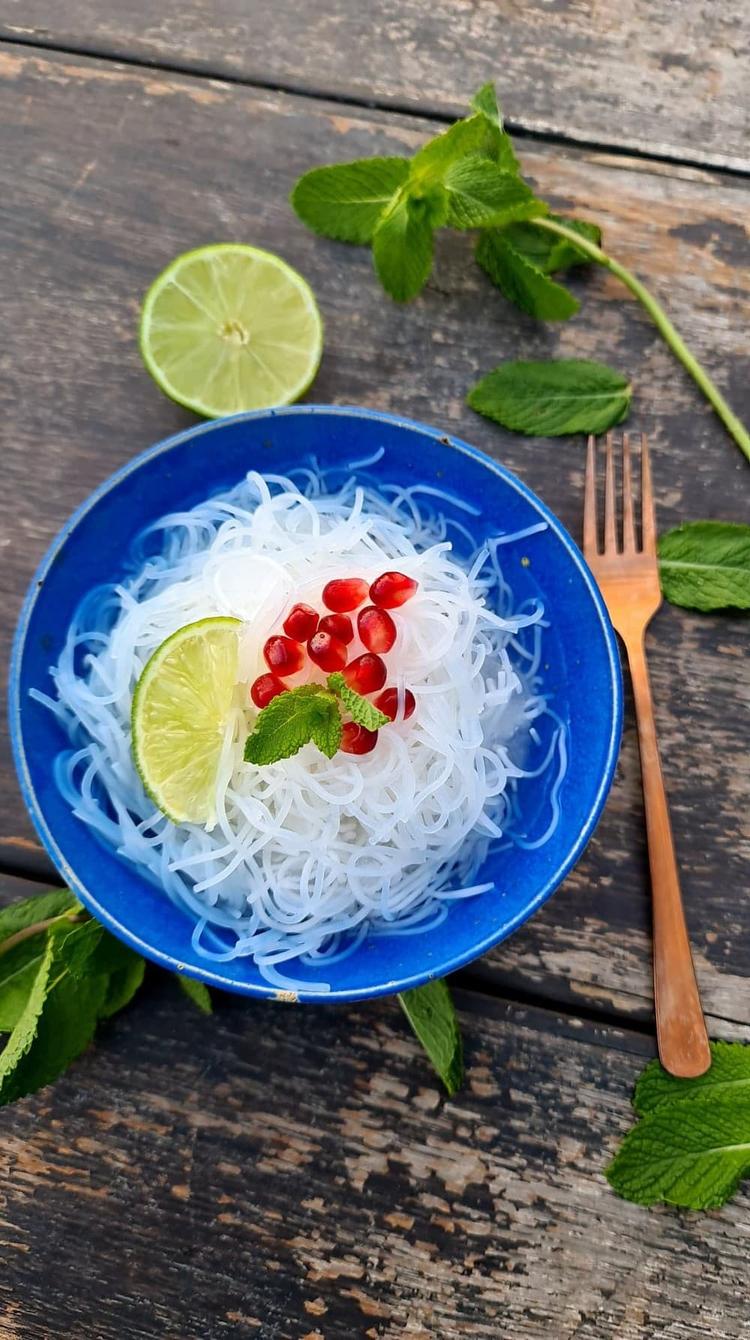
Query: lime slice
(228, 328)
(180, 707)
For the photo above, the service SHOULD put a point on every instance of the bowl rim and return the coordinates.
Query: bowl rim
(213, 975)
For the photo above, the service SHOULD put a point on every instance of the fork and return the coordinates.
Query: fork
(628, 577)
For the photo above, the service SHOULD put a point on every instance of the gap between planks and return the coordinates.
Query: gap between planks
(395, 106)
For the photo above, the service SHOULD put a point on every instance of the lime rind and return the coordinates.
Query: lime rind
(189, 317)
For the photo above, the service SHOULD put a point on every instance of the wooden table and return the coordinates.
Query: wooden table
(296, 1173)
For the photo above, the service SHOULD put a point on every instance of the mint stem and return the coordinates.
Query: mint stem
(71, 915)
(663, 324)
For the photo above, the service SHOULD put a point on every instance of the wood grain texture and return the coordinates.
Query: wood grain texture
(652, 75)
(294, 1174)
(108, 172)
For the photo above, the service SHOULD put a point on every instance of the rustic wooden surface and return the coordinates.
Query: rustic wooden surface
(657, 76)
(295, 1173)
(119, 198)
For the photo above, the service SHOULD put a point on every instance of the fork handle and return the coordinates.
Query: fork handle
(680, 1027)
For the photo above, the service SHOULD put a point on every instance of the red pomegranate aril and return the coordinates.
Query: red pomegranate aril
(283, 656)
(264, 688)
(301, 622)
(376, 629)
(338, 625)
(366, 674)
(344, 594)
(357, 739)
(387, 702)
(392, 589)
(327, 652)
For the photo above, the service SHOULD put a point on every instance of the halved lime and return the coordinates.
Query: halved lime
(230, 327)
(180, 708)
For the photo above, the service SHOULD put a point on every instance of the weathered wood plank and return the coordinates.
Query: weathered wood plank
(657, 77)
(108, 172)
(295, 1173)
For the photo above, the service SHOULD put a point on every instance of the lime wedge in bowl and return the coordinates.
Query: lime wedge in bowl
(228, 328)
(179, 713)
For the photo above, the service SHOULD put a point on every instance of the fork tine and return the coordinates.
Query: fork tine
(648, 513)
(610, 530)
(590, 542)
(628, 524)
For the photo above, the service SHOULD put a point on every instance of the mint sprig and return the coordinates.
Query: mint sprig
(469, 177)
(293, 719)
(691, 1146)
(360, 709)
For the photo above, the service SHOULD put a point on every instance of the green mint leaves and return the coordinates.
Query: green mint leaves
(346, 201)
(521, 282)
(60, 973)
(197, 992)
(705, 565)
(550, 399)
(480, 193)
(691, 1146)
(293, 719)
(308, 713)
(360, 709)
(402, 248)
(467, 177)
(432, 1015)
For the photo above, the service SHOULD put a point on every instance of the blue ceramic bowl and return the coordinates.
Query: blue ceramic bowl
(581, 670)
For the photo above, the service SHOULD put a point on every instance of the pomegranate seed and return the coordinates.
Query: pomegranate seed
(366, 674)
(392, 589)
(376, 629)
(283, 656)
(387, 702)
(301, 622)
(338, 625)
(327, 652)
(344, 594)
(357, 739)
(264, 688)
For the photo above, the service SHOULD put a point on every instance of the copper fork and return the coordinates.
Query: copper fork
(628, 577)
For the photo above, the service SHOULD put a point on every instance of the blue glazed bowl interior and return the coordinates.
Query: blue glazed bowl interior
(581, 672)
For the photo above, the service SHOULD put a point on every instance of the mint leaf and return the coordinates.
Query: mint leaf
(196, 991)
(56, 1025)
(123, 982)
(689, 1154)
(432, 1015)
(360, 709)
(548, 253)
(530, 289)
(18, 970)
(430, 164)
(402, 249)
(29, 911)
(346, 201)
(705, 565)
(550, 399)
(22, 947)
(77, 946)
(500, 148)
(480, 193)
(290, 721)
(729, 1073)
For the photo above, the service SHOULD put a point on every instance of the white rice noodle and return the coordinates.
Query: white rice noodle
(309, 856)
